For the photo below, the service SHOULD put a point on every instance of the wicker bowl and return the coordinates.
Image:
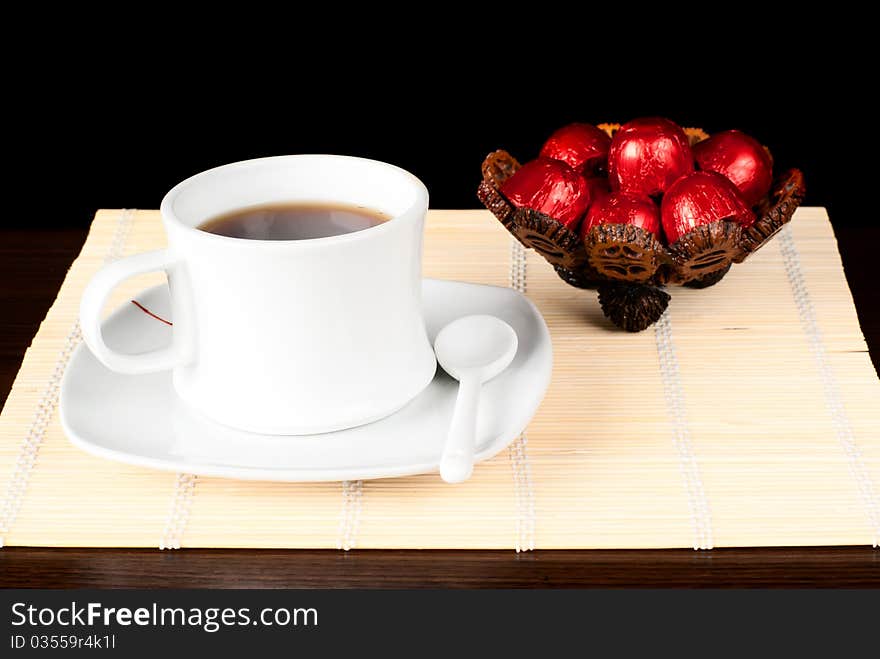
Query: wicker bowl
(628, 265)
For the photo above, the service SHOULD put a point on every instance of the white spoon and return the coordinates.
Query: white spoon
(473, 350)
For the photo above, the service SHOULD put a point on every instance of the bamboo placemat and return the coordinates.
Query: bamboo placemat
(747, 416)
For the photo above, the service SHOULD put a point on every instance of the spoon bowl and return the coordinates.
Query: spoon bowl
(475, 345)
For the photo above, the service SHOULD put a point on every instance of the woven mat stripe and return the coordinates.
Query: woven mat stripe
(178, 515)
(673, 393)
(350, 518)
(48, 404)
(518, 450)
(831, 390)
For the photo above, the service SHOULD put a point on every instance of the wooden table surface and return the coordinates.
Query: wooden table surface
(32, 266)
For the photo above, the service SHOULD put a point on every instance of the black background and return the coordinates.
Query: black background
(108, 126)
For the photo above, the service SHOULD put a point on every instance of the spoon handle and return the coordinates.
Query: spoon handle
(457, 462)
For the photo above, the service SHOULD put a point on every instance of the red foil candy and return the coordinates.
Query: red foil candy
(622, 208)
(701, 198)
(647, 156)
(741, 158)
(550, 187)
(581, 146)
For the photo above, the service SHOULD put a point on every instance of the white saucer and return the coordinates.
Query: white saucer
(138, 419)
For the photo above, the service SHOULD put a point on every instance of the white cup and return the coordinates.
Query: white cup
(293, 336)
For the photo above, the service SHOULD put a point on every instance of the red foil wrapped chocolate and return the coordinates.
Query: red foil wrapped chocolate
(581, 146)
(550, 187)
(622, 208)
(647, 156)
(740, 158)
(702, 198)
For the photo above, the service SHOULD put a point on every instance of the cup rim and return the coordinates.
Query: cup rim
(166, 208)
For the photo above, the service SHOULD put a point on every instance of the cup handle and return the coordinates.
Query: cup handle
(92, 303)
